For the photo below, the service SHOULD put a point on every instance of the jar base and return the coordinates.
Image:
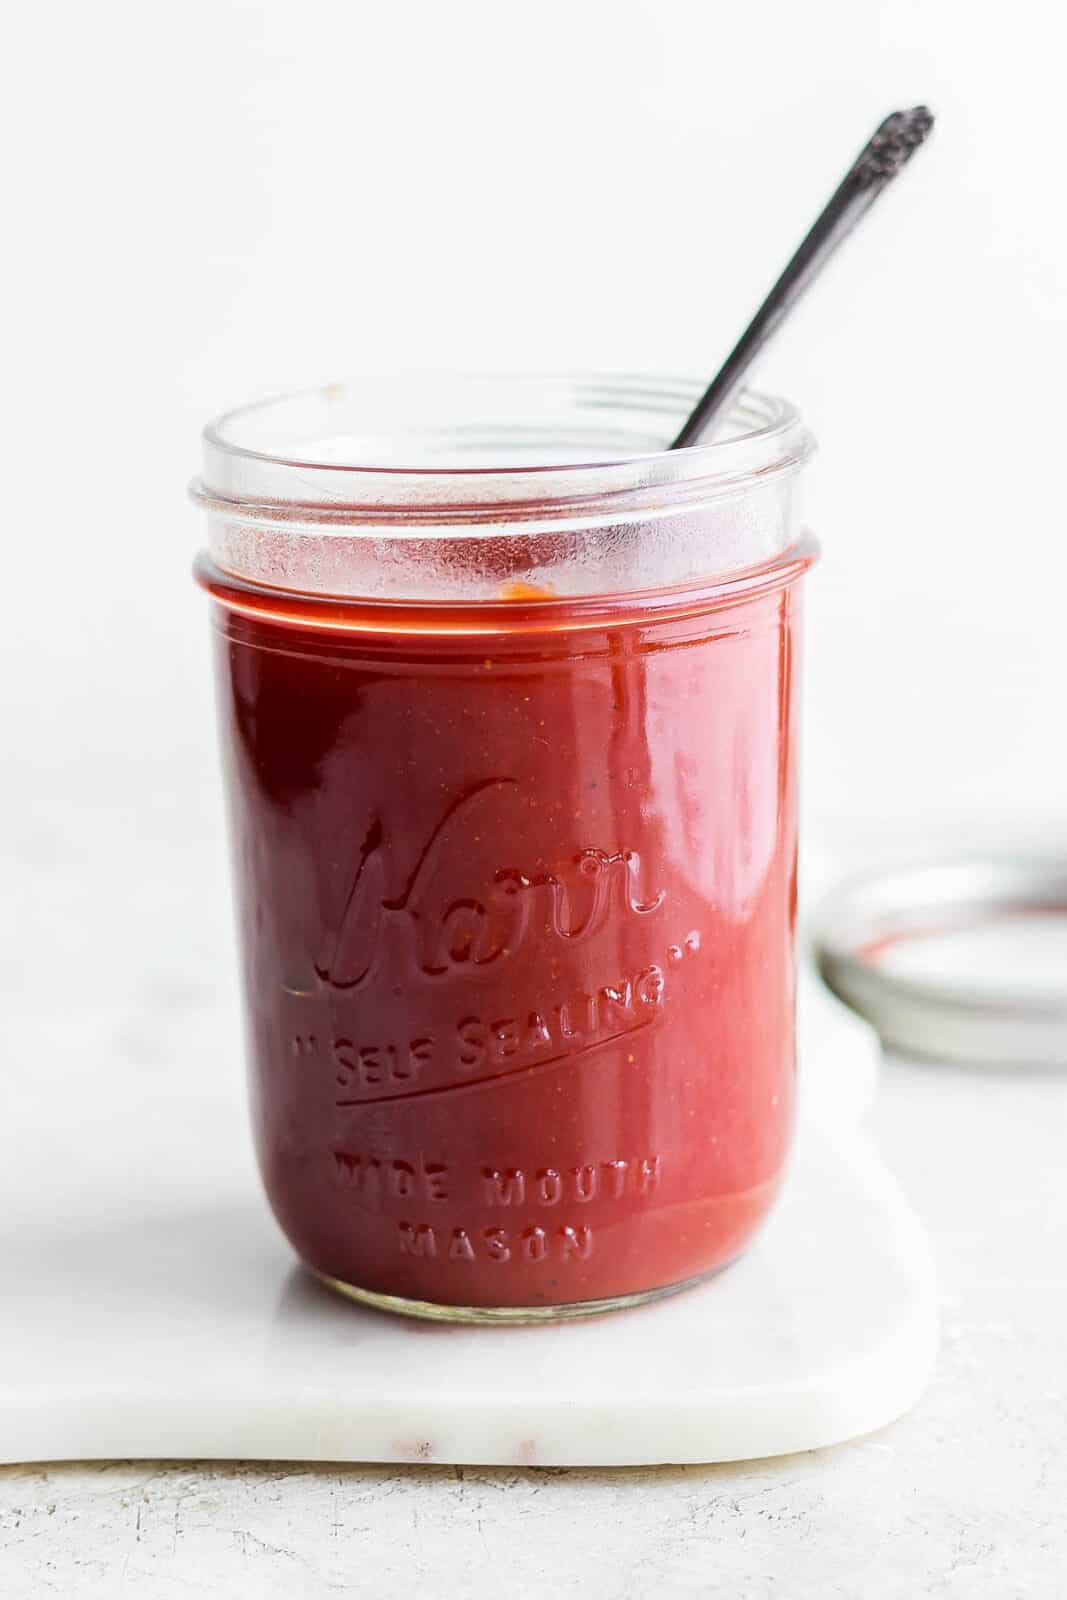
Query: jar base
(433, 1311)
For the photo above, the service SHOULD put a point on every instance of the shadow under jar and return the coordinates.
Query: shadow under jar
(507, 697)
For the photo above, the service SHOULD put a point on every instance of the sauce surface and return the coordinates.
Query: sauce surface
(517, 915)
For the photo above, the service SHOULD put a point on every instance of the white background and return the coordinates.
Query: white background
(208, 202)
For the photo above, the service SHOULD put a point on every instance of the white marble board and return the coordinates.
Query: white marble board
(152, 1308)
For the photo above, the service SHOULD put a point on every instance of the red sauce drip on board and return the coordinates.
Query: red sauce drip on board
(517, 916)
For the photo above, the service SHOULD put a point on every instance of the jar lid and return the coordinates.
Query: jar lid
(956, 961)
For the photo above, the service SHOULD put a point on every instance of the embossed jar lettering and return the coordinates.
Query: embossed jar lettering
(532, 1244)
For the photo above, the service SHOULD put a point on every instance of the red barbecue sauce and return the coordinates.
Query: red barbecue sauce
(516, 885)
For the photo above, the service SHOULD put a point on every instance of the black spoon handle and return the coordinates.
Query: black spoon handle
(890, 147)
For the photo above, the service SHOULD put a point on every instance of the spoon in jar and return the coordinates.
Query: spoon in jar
(890, 147)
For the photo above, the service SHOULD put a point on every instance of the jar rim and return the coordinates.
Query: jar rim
(249, 467)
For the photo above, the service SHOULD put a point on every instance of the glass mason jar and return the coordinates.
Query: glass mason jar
(508, 712)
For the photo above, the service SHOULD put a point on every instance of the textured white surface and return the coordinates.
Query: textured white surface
(117, 950)
(962, 1497)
